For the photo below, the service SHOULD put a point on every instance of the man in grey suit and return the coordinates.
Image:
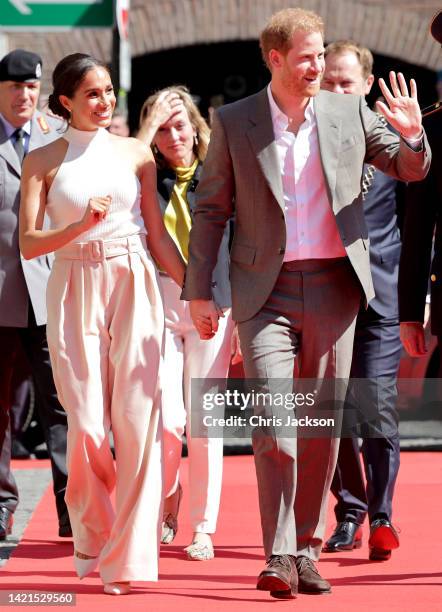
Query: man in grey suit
(287, 163)
(23, 283)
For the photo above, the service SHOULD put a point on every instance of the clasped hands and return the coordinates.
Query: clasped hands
(401, 109)
(205, 315)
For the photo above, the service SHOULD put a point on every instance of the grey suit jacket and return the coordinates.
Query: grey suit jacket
(241, 177)
(20, 280)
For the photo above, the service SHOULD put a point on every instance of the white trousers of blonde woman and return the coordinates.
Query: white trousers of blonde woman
(105, 328)
(186, 356)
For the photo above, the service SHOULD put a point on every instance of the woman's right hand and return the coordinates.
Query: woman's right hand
(165, 106)
(95, 212)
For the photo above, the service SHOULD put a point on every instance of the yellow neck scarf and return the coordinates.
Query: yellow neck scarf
(177, 216)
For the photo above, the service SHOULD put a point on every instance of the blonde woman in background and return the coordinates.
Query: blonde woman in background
(179, 136)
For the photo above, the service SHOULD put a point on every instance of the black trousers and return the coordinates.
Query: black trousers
(52, 416)
(376, 353)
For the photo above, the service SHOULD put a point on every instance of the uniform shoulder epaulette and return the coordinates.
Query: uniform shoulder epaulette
(43, 124)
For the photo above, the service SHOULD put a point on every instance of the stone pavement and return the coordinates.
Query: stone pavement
(31, 485)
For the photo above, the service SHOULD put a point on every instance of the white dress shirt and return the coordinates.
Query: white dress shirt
(312, 232)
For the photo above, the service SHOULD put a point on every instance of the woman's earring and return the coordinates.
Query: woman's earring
(195, 140)
(155, 149)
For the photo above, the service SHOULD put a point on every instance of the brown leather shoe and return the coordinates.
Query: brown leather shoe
(6, 521)
(310, 581)
(280, 577)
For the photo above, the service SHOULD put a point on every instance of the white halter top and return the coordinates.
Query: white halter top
(94, 167)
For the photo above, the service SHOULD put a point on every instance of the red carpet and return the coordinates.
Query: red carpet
(411, 580)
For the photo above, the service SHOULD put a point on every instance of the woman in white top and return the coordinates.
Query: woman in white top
(105, 320)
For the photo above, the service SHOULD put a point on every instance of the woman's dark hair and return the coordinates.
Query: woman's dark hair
(66, 78)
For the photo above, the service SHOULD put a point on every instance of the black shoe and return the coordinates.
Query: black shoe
(310, 581)
(41, 451)
(6, 520)
(65, 530)
(18, 450)
(346, 536)
(383, 538)
(280, 577)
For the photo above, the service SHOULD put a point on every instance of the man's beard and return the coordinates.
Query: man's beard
(299, 88)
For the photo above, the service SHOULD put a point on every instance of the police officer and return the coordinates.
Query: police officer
(23, 283)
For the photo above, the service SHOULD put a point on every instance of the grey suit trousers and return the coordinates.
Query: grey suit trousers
(310, 314)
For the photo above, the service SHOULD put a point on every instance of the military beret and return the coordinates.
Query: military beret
(20, 66)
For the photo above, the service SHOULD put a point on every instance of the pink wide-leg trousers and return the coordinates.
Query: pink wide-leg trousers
(105, 330)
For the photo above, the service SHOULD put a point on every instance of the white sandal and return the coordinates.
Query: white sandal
(198, 551)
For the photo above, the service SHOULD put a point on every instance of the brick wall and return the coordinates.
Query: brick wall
(397, 28)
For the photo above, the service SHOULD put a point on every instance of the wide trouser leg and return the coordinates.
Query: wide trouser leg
(79, 344)
(205, 359)
(136, 329)
(313, 314)
(105, 333)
